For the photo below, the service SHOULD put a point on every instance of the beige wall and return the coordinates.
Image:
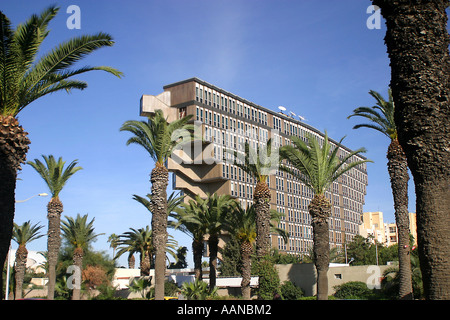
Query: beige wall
(304, 275)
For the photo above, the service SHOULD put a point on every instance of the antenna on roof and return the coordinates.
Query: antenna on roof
(292, 114)
(282, 109)
(301, 118)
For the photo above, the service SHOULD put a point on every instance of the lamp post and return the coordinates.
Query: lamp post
(36, 195)
(9, 250)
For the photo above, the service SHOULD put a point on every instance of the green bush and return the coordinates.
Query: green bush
(290, 291)
(352, 290)
(197, 290)
(269, 281)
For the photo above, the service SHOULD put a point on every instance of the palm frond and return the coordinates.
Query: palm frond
(381, 115)
(27, 232)
(23, 78)
(53, 172)
(78, 232)
(315, 165)
(157, 136)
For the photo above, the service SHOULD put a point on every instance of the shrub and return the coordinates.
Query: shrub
(269, 281)
(352, 290)
(290, 291)
(197, 290)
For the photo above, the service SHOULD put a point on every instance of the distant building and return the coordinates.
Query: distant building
(385, 233)
(373, 225)
(392, 234)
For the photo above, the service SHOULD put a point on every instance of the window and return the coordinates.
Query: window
(182, 112)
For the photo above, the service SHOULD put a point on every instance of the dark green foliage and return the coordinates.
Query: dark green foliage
(283, 258)
(363, 251)
(352, 290)
(230, 265)
(181, 259)
(269, 283)
(290, 291)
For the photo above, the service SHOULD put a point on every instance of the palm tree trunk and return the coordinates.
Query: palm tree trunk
(54, 210)
(246, 251)
(398, 172)
(213, 243)
(262, 208)
(13, 148)
(417, 42)
(320, 210)
(7, 188)
(131, 261)
(78, 262)
(159, 179)
(197, 250)
(145, 264)
(20, 267)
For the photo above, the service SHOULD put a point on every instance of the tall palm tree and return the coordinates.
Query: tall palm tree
(381, 118)
(159, 138)
(210, 218)
(318, 167)
(55, 177)
(214, 219)
(23, 235)
(241, 224)
(189, 226)
(417, 41)
(79, 234)
(259, 163)
(27, 75)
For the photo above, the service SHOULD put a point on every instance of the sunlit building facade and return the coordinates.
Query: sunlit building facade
(227, 121)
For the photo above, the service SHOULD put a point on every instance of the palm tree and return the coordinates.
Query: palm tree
(23, 235)
(210, 218)
(382, 119)
(185, 223)
(159, 138)
(241, 224)
(417, 42)
(318, 168)
(55, 177)
(79, 234)
(259, 163)
(140, 241)
(137, 241)
(214, 219)
(26, 75)
(112, 239)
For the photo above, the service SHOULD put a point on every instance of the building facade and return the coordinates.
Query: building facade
(226, 121)
(385, 233)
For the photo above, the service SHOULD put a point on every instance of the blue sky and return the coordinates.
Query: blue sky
(316, 58)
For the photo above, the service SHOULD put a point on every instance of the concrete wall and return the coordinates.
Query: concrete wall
(304, 275)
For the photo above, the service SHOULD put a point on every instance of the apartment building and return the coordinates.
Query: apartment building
(227, 121)
(373, 225)
(385, 233)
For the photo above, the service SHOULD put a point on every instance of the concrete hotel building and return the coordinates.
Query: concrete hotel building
(227, 121)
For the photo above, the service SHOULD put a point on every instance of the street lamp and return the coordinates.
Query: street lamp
(36, 195)
(9, 251)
